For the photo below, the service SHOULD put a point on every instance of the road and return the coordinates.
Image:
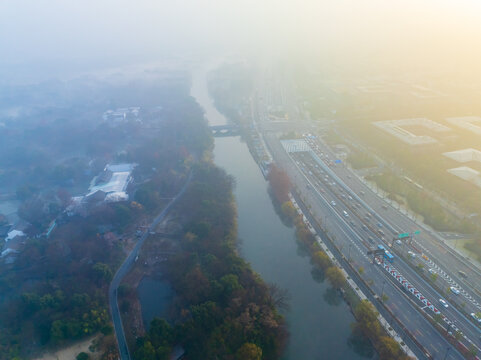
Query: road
(125, 268)
(351, 244)
(357, 220)
(354, 241)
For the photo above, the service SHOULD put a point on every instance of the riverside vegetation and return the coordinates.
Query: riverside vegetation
(367, 323)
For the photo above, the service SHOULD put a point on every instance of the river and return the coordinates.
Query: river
(318, 320)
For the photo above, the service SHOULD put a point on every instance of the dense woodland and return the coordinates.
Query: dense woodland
(224, 310)
(56, 290)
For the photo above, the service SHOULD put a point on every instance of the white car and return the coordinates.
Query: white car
(476, 317)
(333, 203)
(454, 290)
(444, 303)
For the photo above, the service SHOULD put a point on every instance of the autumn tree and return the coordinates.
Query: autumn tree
(321, 259)
(279, 183)
(335, 277)
(249, 351)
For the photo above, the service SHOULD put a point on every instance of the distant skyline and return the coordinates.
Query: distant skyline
(54, 34)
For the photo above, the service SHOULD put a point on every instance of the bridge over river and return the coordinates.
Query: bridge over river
(225, 130)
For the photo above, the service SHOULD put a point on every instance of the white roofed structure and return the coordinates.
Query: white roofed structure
(465, 155)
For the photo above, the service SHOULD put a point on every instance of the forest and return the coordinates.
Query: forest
(224, 310)
(55, 292)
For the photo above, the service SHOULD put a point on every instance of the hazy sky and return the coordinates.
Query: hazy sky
(108, 32)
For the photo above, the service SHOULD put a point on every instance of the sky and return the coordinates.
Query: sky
(45, 35)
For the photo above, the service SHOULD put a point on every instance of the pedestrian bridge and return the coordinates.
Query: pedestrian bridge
(225, 130)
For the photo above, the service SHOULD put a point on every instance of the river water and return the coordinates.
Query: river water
(319, 321)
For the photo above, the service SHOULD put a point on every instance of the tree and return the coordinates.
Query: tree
(321, 259)
(279, 296)
(102, 272)
(434, 277)
(160, 332)
(335, 277)
(279, 183)
(289, 210)
(367, 319)
(249, 351)
(83, 356)
(389, 348)
(146, 351)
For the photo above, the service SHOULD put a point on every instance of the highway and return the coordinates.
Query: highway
(369, 230)
(447, 261)
(124, 269)
(438, 257)
(353, 246)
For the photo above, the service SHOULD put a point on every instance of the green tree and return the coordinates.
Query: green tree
(83, 356)
(160, 332)
(249, 351)
(146, 351)
(102, 272)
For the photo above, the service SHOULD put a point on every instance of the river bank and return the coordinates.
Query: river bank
(319, 321)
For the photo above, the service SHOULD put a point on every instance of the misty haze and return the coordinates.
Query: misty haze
(240, 180)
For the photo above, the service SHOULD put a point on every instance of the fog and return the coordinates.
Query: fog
(53, 37)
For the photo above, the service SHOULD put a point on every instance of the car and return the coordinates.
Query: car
(352, 223)
(364, 227)
(399, 242)
(379, 225)
(349, 197)
(476, 317)
(432, 271)
(362, 193)
(333, 203)
(380, 232)
(444, 303)
(384, 207)
(454, 290)
(345, 213)
(411, 254)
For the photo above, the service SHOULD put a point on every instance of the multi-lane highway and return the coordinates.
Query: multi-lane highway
(377, 231)
(358, 219)
(445, 260)
(346, 231)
